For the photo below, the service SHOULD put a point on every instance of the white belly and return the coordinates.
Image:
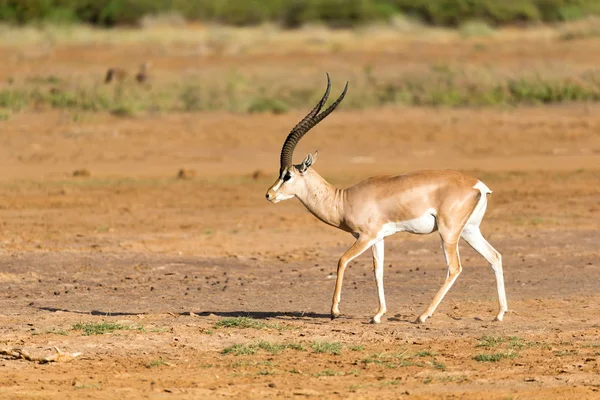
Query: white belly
(422, 225)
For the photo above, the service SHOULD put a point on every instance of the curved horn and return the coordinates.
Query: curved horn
(306, 124)
(286, 155)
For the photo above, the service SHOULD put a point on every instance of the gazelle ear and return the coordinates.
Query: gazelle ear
(308, 161)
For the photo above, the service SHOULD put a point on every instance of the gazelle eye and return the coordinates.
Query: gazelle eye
(287, 177)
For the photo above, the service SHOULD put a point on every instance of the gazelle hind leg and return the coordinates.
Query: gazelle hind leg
(356, 250)
(378, 253)
(473, 236)
(454, 269)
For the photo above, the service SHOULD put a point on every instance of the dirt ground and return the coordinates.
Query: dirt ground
(170, 259)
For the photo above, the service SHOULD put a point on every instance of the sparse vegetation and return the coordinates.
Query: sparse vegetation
(241, 349)
(438, 365)
(328, 372)
(440, 85)
(493, 342)
(53, 331)
(101, 328)
(490, 342)
(327, 347)
(494, 357)
(357, 347)
(253, 348)
(245, 323)
(563, 353)
(394, 360)
(156, 363)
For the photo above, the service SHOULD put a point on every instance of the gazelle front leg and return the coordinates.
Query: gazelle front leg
(356, 250)
(378, 271)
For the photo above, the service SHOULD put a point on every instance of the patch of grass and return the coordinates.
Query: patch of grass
(494, 357)
(438, 365)
(82, 386)
(295, 346)
(4, 114)
(241, 349)
(452, 378)
(516, 342)
(52, 331)
(328, 372)
(271, 347)
(156, 363)
(265, 372)
(245, 323)
(294, 371)
(246, 363)
(91, 328)
(424, 353)
(490, 342)
(327, 347)
(564, 353)
(357, 347)
(391, 361)
(241, 322)
(253, 348)
(410, 363)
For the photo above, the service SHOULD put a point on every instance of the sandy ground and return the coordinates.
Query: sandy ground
(170, 258)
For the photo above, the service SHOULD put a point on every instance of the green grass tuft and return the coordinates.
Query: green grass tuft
(490, 342)
(241, 349)
(91, 328)
(328, 372)
(253, 348)
(156, 363)
(327, 347)
(245, 323)
(494, 357)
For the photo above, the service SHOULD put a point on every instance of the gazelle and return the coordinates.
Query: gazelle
(420, 202)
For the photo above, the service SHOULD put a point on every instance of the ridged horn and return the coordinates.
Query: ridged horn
(306, 124)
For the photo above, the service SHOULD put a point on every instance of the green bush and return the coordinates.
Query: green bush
(294, 13)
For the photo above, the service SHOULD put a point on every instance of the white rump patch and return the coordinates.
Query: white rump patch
(422, 225)
(479, 211)
(482, 188)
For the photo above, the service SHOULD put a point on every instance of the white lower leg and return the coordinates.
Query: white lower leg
(474, 237)
(378, 252)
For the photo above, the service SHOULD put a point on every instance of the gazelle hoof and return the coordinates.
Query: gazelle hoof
(334, 315)
(421, 319)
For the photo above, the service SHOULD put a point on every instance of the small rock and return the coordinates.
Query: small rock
(186, 173)
(82, 172)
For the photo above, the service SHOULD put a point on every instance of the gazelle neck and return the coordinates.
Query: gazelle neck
(323, 200)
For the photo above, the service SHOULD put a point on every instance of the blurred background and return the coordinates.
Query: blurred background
(151, 94)
(138, 139)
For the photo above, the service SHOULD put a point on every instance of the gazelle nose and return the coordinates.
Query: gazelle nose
(267, 196)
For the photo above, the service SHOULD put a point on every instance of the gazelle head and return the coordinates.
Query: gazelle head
(293, 178)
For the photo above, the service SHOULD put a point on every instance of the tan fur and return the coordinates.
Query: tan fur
(369, 208)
